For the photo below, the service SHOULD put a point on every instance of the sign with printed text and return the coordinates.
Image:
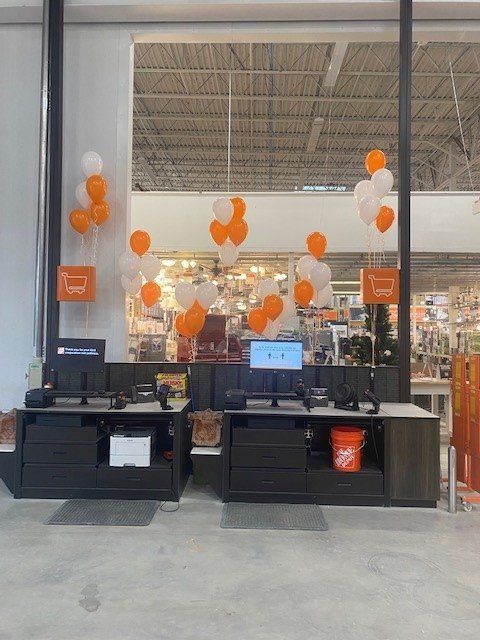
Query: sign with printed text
(76, 284)
(379, 286)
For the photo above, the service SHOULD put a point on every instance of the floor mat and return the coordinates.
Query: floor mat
(295, 517)
(106, 513)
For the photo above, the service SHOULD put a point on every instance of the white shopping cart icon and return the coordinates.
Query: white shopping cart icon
(74, 284)
(382, 286)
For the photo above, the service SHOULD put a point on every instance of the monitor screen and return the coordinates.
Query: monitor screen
(276, 355)
(77, 355)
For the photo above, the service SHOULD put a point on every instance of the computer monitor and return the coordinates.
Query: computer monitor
(276, 355)
(79, 355)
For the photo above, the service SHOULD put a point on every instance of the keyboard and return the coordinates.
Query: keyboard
(80, 394)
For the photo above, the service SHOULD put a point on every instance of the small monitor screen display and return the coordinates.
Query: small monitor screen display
(76, 355)
(275, 355)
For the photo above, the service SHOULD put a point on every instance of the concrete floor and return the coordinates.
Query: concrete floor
(377, 574)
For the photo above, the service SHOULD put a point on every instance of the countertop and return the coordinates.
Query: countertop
(99, 405)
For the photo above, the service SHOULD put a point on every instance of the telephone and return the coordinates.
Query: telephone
(162, 395)
(142, 393)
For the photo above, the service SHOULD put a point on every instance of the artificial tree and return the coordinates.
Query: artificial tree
(386, 346)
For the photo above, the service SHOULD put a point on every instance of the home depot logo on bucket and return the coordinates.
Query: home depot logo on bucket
(344, 458)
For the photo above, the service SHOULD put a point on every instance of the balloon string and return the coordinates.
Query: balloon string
(229, 129)
(227, 316)
(87, 317)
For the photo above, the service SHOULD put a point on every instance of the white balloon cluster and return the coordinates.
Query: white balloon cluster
(319, 274)
(134, 268)
(205, 294)
(369, 193)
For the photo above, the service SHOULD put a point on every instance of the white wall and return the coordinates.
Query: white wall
(281, 222)
(20, 48)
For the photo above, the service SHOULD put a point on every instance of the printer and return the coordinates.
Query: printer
(132, 447)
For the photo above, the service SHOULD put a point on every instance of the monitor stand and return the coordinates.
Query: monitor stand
(83, 387)
(274, 388)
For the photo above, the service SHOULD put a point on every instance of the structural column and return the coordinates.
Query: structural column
(404, 148)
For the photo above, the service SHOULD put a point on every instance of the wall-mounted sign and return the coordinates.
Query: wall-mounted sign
(379, 286)
(76, 284)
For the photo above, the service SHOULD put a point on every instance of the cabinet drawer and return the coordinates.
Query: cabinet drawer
(134, 478)
(267, 480)
(40, 433)
(278, 457)
(276, 437)
(55, 419)
(36, 475)
(62, 453)
(369, 484)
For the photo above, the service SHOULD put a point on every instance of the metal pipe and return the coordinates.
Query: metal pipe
(404, 151)
(40, 261)
(452, 479)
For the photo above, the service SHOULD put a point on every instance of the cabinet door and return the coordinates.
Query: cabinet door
(414, 459)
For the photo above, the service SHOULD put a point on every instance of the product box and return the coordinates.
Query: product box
(177, 382)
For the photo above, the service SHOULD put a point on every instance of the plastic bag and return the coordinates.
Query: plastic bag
(8, 423)
(207, 428)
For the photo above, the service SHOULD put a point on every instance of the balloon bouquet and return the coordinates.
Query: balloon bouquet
(267, 320)
(135, 265)
(90, 195)
(369, 194)
(228, 229)
(196, 301)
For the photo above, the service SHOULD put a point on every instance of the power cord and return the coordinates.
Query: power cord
(169, 510)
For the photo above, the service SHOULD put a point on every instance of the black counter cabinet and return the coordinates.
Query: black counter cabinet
(283, 455)
(63, 452)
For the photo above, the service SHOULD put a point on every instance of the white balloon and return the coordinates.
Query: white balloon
(363, 188)
(368, 208)
(267, 287)
(272, 329)
(129, 264)
(223, 210)
(289, 309)
(91, 163)
(132, 286)
(228, 253)
(82, 196)
(206, 293)
(324, 297)
(304, 265)
(185, 294)
(320, 275)
(382, 181)
(150, 266)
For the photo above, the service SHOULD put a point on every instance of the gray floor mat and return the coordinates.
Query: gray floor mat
(295, 517)
(107, 513)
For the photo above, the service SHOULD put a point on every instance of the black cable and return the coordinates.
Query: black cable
(169, 510)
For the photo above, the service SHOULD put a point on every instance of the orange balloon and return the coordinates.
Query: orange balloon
(375, 160)
(140, 242)
(257, 320)
(181, 327)
(194, 319)
(96, 188)
(198, 306)
(303, 292)
(385, 218)
(80, 221)
(316, 244)
(150, 293)
(218, 231)
(239, 207)
(99, 212)
(237, 231)
(273, 306)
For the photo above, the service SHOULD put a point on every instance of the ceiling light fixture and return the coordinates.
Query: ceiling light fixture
(168, 262)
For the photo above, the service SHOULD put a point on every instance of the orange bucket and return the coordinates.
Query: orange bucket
(347, 444)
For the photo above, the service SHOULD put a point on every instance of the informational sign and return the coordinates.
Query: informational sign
(379, 286)
(76, 284)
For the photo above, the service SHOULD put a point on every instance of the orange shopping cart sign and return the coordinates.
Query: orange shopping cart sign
(76, 284)
(379, 286)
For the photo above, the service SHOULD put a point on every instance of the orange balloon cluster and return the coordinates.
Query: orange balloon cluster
(236, 229)
(374, 161)
(191, 322)
(316, 244)
(99, 210)
(303, 293)
(271, 308)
